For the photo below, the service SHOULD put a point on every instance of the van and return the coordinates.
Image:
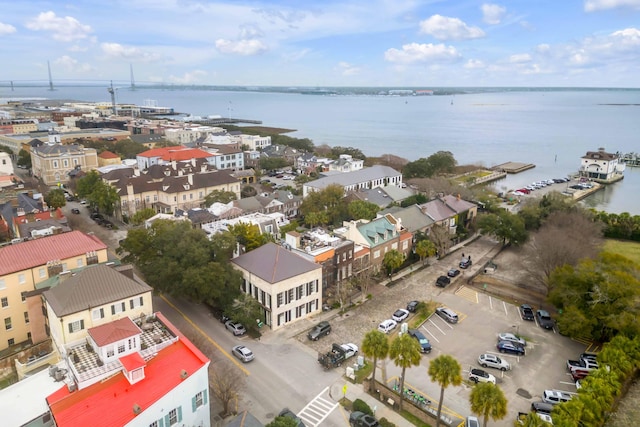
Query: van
(447, 314)
(555, 396)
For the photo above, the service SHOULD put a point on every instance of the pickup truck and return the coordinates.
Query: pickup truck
(337, 355)
(581, 365)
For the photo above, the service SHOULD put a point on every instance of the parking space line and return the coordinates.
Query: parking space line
(490, 302)
(467, 293)
(438, 328)
(504, 304)
(429, 332)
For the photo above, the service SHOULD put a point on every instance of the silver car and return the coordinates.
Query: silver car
(242, 353)
(235, 327)
(488, 360)
(508, 336)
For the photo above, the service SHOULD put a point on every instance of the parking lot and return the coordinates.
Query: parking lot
(481, 318)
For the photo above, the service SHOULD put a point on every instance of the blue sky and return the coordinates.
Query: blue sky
(427, 43)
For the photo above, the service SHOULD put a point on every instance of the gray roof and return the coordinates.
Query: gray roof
(245, 419)
(355, 177)
(412, 218)
(94, 286)
(273, 263)
(396, 193)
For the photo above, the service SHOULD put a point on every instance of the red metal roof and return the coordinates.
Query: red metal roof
(114, 331)
(132, 361)
(108, 155)
(110, 403)
(33, 253)
(178, 153)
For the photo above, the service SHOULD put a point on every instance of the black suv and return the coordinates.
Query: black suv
(320, 330)
(425, 345)
(442, 281)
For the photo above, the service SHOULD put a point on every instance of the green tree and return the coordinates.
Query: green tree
(446, 371)
(416, 199)
(487, 400)
(283, 422)
(219, 196)
(356, 153)
(55, 198)
(24, 159)
(405, 353)
(88, 184)
(328, 204)
(392, 261)
(440, 162)
(361, 209)
(142, 215)
(246, 310)
(531, 420)
(292, 226)
(376, 346)
(425, 248)
(505, 226)
(249, 235)
(128, 149)
(248, 191)
(273, 163)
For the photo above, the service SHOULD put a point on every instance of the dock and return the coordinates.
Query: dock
(630, 159)
(513, 167)
(226, 121)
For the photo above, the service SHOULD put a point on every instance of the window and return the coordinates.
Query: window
(121, 348)
(173, 417)
(199, 400)
(299, 292)
(136, 302)
(11, 341)
(55, 164)
(21, 278)
(117, 308)
(92, 257)
(79, 262)
(2, 284)
(23, 297)
(26, 317)
(394, 245)
(65, 162)
(154, 424)
(76, 326)
(184, 197)
(110, 351)
(5, 302)
(376, 254)
(405, 245)
(7, 323)
(97, 314)
(280, 299)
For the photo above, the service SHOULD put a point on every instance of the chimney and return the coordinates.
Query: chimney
(190, 178)
(193, 162)
(458, 197)
(173, 164)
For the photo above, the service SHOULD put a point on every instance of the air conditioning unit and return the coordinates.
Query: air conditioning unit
(52, 370)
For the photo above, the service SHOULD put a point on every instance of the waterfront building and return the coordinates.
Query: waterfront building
(367, 178)
(601, 165)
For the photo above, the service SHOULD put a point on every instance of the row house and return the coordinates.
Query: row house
(309, 162)
(24, 265)
(279, 201)
(450, 211)
(346, 163)
(367, 178)
(377, 237)
(190, 133)
(287, 286)
(266, 223)
(254, 142)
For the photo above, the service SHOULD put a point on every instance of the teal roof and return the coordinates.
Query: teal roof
(378, 231)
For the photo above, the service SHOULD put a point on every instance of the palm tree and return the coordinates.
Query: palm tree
(425, 248)
(568, 414)
(376, 346)
(487, 399)
(446, 371)
(532, 420)
(392, 261)
(405, 352)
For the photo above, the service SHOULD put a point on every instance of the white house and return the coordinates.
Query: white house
(6, 167)
(373, 177)
(255, 142)
(346, 163)
(600, 165)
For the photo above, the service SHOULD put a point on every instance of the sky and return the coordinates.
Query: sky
(291, 43)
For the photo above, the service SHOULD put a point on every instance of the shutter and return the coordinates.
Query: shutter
(124, 307)
(166, 420)
(131, 304)
(141, 301)
(179, 413)
(70, 328)
(193, 404)
(81, 324)
(102, 313)
(204, 396)
(113, 309)
(160, 422)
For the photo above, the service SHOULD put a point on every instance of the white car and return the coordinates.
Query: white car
(242, 353)
(387, 326)
(508, 336)
(350, 350)
(488, 360)
(400, 315)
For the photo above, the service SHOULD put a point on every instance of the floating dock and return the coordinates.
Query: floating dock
(513, 167)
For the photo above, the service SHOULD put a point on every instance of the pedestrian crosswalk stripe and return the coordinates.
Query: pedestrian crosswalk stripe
(469, 294)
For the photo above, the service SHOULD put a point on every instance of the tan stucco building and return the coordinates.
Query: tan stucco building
(53, 162)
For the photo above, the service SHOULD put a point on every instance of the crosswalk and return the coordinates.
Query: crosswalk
(467, 293)
(317, 410)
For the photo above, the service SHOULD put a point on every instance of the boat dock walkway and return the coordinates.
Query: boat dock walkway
(226, 121)
(513, 167)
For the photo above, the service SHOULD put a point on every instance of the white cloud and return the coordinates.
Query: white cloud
(445, 28)
(492, 13)
(595, 5)
(191, 77)
(347, 69)
(414, 52)
(520, 58)
(6, 29)
(543, 48)
(295, 56)
(72, 64)
(63, 29)
(241, 47)
(116, 50)
(474, 64)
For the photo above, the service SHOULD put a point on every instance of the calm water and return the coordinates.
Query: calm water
(551, 129)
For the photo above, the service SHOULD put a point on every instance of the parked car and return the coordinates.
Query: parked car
(465, 263)
(508, 336)
(106, 223)
(412, 306)
(243, 353)
(96, 216)
(453, 272)
(471, 421)
(400, 315)
(510, 347)
(524, 190)
(542, 407)
(526, 312)
(320, 330)
(544, 319)
(287, 413)
(425, 345)
(387, 326)
(555, 397)
(75, 211)
(480, 376)
(235, 327)
(447, 314)
(360, 419)
(489, 360)
(442, 281)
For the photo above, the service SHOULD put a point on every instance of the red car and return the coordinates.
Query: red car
(524, 190)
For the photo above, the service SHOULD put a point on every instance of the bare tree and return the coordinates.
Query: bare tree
(440, 237)
(362, 278)
(226, 384)
(565, 238)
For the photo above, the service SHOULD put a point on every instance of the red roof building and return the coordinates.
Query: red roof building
(112, 332)
(180, 153)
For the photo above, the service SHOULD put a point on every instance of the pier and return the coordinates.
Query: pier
(226, 121)
(630, 159)
(513, 167)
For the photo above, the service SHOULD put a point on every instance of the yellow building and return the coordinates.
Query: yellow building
(24, 265)
(107, 158)
(53, 162)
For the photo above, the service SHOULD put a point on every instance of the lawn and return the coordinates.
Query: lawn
(627, 249)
